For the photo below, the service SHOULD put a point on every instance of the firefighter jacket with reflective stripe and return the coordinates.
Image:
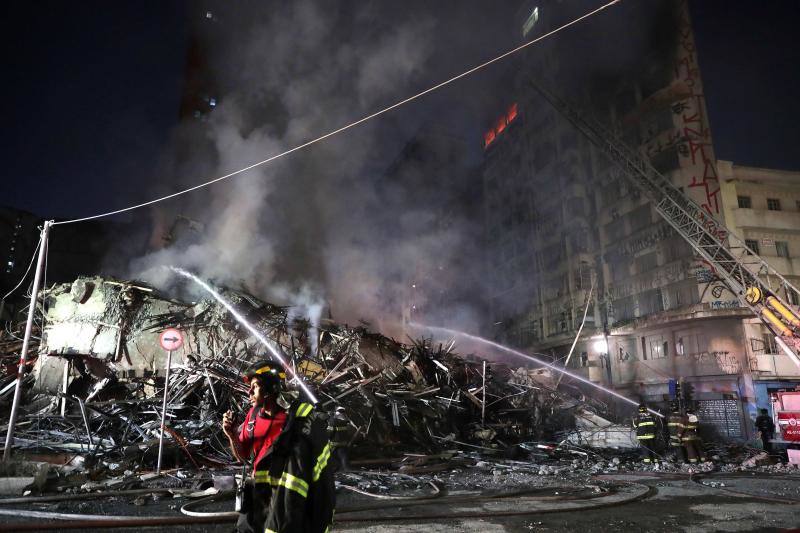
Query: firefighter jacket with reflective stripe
(645, 425)
(302, 498)
(690, 431)
(675, 425)
(341, 431)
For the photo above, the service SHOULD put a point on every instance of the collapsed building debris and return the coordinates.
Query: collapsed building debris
(96, 385)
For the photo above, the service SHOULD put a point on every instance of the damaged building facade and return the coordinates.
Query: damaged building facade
(100, 365)
(574, 225)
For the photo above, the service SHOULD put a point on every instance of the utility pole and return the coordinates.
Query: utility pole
(23, 358)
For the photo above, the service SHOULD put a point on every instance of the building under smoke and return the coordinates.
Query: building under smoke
(561, 215)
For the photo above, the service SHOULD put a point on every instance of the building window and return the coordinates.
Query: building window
(794, 298)
(744, 202)
(773, 204)
(770, 347)
(658, 349)
(782, 249)
(797, 203)
(752, 244)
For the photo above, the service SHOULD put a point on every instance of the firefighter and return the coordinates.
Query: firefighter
(341, 434)
(691, 440)
(291, 488)
(766, 427)
(645, 425)
(675, 427)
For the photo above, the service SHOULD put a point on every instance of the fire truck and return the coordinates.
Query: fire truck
(786, 413)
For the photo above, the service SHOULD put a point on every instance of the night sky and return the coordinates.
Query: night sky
(92, 91)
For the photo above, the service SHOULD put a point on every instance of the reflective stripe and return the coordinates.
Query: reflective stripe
(287, 480)
(292, 483)
(646, 424)
(645, 437)
(304, 409)
(268, 530)
(322, 462)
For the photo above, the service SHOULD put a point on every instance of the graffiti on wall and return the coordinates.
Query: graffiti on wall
(697, 152)
(727, 362)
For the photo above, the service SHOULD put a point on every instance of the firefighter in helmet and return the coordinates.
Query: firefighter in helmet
(645, 424)
(286, 440)
(675, 427)
(691, 440)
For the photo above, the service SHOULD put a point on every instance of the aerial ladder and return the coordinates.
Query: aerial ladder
(757, 285)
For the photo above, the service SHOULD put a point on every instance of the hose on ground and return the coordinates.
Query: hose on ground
(437, 492)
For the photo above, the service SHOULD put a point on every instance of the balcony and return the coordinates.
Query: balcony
(765, 219)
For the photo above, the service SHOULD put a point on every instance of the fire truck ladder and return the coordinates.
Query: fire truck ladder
(757, 285)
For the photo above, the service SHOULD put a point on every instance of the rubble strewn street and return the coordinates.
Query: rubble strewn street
(100, 361)
(426, 422)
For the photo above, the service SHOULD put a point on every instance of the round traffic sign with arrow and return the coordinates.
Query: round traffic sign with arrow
(171, 339)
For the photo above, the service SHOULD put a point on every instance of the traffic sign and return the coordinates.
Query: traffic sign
(171, 339)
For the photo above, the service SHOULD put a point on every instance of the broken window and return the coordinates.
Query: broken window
(744, 202)
(770, 347)
(689, 343)
(659, 348)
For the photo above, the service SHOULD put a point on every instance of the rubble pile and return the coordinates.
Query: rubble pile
(11, 337)
(99, 378)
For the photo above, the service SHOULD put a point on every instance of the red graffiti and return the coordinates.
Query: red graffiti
(693, 121)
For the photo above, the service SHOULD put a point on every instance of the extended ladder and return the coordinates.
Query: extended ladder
(757, 285)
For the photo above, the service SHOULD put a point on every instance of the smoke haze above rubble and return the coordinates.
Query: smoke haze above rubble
(314, 228)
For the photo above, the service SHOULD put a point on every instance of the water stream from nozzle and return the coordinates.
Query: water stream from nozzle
(530, 358)
(257, 334)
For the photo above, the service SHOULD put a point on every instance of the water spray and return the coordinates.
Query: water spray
(531, 358)
(257, 334)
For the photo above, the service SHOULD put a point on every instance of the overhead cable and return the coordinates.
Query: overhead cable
(348, 126)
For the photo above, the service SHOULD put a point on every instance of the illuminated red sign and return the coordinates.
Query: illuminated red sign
(490, 136)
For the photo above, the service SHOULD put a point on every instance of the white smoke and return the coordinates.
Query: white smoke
(314, 227)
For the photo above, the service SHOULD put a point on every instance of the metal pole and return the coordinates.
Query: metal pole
(164, 412)
(23, 358)
(483, 403)
(64, 386)
(82, 405)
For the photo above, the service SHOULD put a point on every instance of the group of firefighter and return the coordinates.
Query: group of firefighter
(682, 442)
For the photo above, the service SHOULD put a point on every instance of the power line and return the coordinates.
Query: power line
(348, 126)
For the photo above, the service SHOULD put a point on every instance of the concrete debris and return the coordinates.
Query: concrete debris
(420, 411)
(761, 459)
(97, 381)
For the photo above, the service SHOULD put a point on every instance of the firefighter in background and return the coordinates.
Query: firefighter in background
(766, 429)
(690, 438)
(675, 427)
(291, 488)
(645, 424)
(341, 434)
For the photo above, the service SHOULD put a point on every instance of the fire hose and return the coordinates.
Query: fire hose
(80, 521)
